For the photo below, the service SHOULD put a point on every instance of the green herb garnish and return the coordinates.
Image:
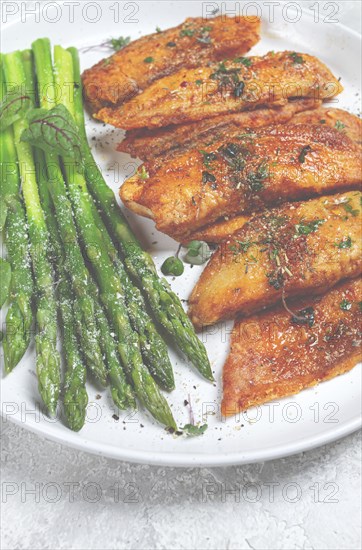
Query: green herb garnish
(158, 29)
(244, 61)
(54, 131)
(148, 60)
(191, 431)
(297, 58)
(239, 88)
(348, 208)
(339, 125)
(143, 174)
(187, 32)
(228, 78)
(303, 153)
(240, 246)
(198, 252)
(255, 179)
(231, 150)
(308, 228)
(234, 155)
(119, 43)
(13, 107)
(345, 305)
(207, 177)
(198, 82)
(194, 248)
(171, 44)
(276, 280)
(208, 157)
(344, 243)
(172, 266)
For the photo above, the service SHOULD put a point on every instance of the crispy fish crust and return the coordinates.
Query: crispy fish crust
(347, 123)
(261, 168)
(132, 69)
(274, 355)
(229, 87)
(150, 144)
(218, 232)
(297, 249)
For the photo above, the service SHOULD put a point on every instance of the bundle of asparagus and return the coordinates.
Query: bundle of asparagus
(85, 260)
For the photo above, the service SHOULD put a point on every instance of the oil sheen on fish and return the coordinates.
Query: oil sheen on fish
(224, 88)
(295, 250)
(136, 66)
(345, 122)
(276, 354)
(259, 169)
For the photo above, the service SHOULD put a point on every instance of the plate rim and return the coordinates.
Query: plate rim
(184, 460)
(176, 459)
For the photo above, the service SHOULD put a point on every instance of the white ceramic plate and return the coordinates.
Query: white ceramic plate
(315, 416)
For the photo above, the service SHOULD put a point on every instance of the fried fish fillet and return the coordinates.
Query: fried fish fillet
(228, 87)
(136, 66)
(151, 144)
(218, 232)
(275, 354)
(349, 124)
(345, 122)
(261, 168)
(290, 251)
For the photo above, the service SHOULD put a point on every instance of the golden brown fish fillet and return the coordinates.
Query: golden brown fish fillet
(349, 124)
(259, 169)
(132, 69)
(227, 87)
(148, 144)
(345, 122)
(274, 355)
(218, 232)
(291, 251)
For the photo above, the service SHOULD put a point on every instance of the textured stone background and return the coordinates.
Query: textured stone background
(58, 498)
(314, 504)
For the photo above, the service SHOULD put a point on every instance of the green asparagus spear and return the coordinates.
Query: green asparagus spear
(153, 347)
(165, 305)
(19, 315)
(111, 291)
(48, 360)
(113, 299)
(5, 279)
(121, 391)
(76, 269)
(75, 396)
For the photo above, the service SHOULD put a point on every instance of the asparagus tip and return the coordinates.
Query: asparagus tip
(12, 356)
